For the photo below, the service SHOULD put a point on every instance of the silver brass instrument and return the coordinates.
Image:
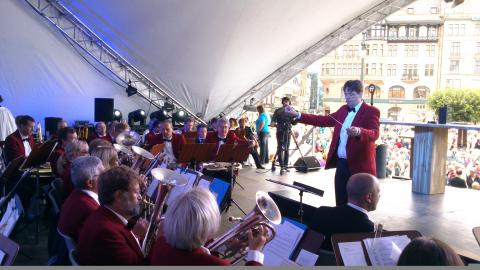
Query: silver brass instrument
(265, 213)
(128, 138)
(168, 179)
(141, 156)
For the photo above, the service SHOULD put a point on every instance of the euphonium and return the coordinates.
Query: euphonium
(264, 213)
(167, 180)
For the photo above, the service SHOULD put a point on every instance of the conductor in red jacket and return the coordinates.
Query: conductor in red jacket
(105, 238)
(83, 201)
(21, 142)
(352, 149)
(190, 221)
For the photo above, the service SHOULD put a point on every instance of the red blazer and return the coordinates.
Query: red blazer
(59, 151)
(360, 150)
(68, 185)
(105, 240)
(94, 136)
(177, 143)
(75, 211)
(151, 138)
(164, 254)
(14, 146)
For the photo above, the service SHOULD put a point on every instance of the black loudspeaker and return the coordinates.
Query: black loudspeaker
(103, 109)
(306, 164)
(51, 124)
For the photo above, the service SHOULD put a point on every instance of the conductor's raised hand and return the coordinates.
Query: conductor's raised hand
(354, 131)
(290, 111)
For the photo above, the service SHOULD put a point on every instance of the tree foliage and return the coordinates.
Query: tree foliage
(463, 105)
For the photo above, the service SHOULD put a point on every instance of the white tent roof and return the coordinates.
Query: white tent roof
(206, 54)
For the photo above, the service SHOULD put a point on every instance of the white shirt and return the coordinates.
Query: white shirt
(26, 145)
(342, 145)
(168, 150)
(7, 123)
(92, 194)
(356, 207)
(125, 222)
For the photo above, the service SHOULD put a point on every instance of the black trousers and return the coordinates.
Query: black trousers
(342, 174)
(283, 145)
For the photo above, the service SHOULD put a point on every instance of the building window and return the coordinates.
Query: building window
(412, 31)
(477, 50)
(430, 50)
(374, 49)
(476, 69)
(453, 83)
(378, 91)
(432, 31)
(374, 69)
(410, 10)
(393, 31)
(367, 69)
(391, 70)
(433, 10)
(456, 29)
(410, 72)
(429, 70)
(421, 92)
(455, 49)
(411, 50)
(392, 50)
(454, 66)
(396, 91)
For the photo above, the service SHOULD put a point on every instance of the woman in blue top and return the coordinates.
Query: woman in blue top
(263, 131)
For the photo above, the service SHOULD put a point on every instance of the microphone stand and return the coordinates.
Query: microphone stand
(301, 188)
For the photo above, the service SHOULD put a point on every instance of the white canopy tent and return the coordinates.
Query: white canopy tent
(209, 55)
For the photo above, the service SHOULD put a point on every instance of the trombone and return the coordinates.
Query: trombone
(265, 213)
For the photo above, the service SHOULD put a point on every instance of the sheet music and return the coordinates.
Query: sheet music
(385, 250)
(177, 190)
(152, 187)
(9, 218)
(284, 243)
(288, 262)
(306, 258)
(352, 254)
(204, 184)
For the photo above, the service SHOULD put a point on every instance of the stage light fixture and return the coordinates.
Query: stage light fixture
(131, 90)
(179, 117)
(117, 115)
(159, 115)
(137, 116)
(168, 106)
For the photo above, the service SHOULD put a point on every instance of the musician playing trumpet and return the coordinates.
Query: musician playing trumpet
(190, 221)
(105, 238)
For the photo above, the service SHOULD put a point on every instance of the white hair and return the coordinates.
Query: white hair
(74, 147)
(83, 169)
(192, 219)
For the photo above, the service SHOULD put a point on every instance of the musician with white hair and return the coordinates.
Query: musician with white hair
(84, 199)
(193, 219)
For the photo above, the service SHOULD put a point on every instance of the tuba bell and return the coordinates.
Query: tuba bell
(167, 180)
(265, 214)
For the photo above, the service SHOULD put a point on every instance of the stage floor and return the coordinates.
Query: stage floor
(449, 217)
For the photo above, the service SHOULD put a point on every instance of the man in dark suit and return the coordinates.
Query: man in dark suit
(84, 199)
(352, 149)
(21, 142)
(363, 195)
(105, 238)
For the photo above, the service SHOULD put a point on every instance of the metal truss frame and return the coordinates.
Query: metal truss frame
(315, 52)
(94, 47)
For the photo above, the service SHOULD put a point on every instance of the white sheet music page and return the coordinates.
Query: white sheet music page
(281, 247)
(385, 251)
(352, 254)
(306, 258)
(177, 190)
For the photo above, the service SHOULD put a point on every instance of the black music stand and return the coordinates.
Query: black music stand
(301, 188)
(195, 153)
(232, 153)
(39, 156)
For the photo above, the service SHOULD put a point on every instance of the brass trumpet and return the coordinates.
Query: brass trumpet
(167, 180)
(265, 213)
